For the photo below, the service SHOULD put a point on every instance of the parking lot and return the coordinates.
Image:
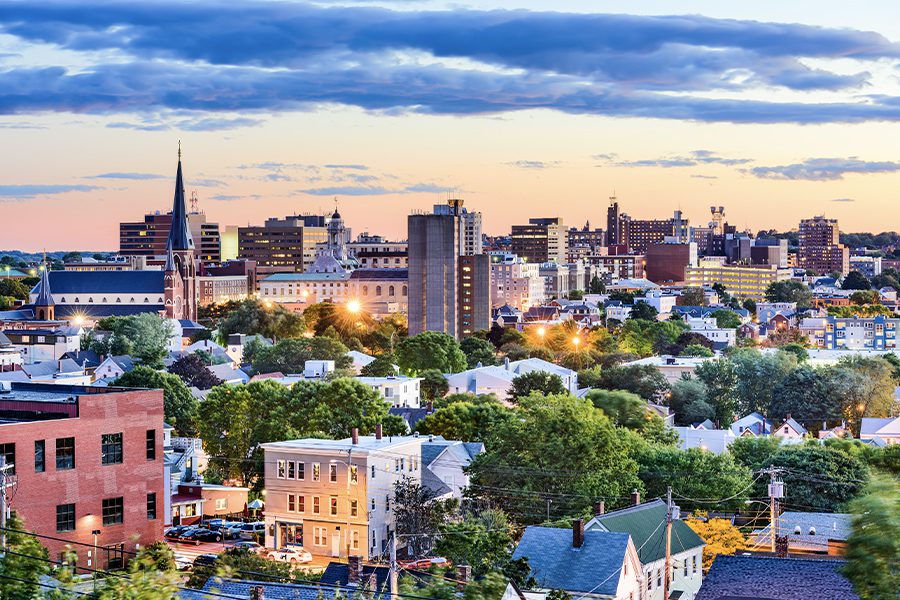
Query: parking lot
(190, 551)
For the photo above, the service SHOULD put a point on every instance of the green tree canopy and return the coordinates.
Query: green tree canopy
(536, 381)
(697, 350)
(430, 350)
(720, 379)
(290, 355)
(193, 372)
(642, 310)
(727, 319)
(819, 478)
(758, 375)
(789, 291)
(434, 385)
(478, 350)
(483, 541)
(692, 296)
(179, 404)
(472, 420)
(383, 366)
(854, 280)
(265, 318)
(873, 548)
(144, 336)
(14, 288)
(623, 408)
(24, 565)
(644, 380)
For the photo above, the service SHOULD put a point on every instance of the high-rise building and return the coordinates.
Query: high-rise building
(584, 242)
(469, 225)
(820, 248)
(667, 262)
(515, 282)
(637, 234)
(614, 235)
(285, 245)
(542, 240)
(148, 237)
(474, 293)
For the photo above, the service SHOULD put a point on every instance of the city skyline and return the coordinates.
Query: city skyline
(777, 113)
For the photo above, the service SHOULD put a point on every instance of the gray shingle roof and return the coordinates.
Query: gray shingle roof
(555, 564)
(768, 578)
(106, 282)
(216, 588)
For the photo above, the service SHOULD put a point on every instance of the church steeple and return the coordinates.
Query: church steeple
(180, 234)
(43, 304)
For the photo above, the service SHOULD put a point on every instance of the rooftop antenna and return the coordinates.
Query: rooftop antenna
(194, 202)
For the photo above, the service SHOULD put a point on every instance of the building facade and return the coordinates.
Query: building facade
(854, 333)
(820, 250)
(148, 237)
(744, 281)
(542, 240)
(515, 282)
(433, 273)
(287, 245)
(668, 263)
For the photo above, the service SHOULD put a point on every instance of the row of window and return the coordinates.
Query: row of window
(297, 504)
(113, 512)
(111, 451)
(289, 469)
(320, 538)
(689, 568)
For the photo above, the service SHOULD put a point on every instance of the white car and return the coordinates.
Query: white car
(290, 555)
(183, 562)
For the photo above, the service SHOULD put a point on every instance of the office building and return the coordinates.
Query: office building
(287, 245)
(148, 237)
(668, 262)
(375, 252)
(228, 242)
(584, 242)
(474, 293)
(820, 250)
(515, 282)
(620, 266)
(88, 463)
(614, 234)
(542, 240)
(743, 281)
(470, 239)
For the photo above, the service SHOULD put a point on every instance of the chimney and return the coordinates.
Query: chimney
(635, 497)
(787, 417)
(506, 363)
(354, 570)
(378, 431)
(257, 592)
(354, 436)
(599, 508)
(577, 533)
(463, 573)
(429, 406)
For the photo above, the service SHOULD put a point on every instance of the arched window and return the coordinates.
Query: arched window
(390, 290)
(63, 300)
(118, 299)
(404, 290)
(132, 299)
(104, 300)
(378, 290)
(365, 290)
(77, 300)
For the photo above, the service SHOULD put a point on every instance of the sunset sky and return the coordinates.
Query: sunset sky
(775, 110)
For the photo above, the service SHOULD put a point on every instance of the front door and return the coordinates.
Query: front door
(336, 543)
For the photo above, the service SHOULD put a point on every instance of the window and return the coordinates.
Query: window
(685, 567)
(279, 469)
(695, 564)
(659, 578)
(649, 580)
(151, 444)
(354, 540)
(113, 511)
(354, 474)
(301, 504)
(111, 449)
(65, 517)
(354, 508)
(316, 507)
(40, 453)
(291, 470)
(332, 473)
(334, 506)
(320, 536)
(8, 452)
(291, 503)
(387, 502)
(301, 471)
(65, 453)
(373, 503)
(151, 506)
(373, 471)
(316, 472)
(221, 503)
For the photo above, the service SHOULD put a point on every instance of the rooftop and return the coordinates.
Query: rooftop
(366, 443)
(767, 578)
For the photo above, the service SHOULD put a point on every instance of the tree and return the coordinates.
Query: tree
(807, 394)
(686, 392)
(13, 288)
(483, 541)
(156, 556)
(855, 281)
(576, 294)
(623, 408)
(864, 297)
(478, 351)
(797, 350)
(727, 319)
(290, 356)
(475, 420)
(238, 563)
(179, 404)
(264, 318)
(557, 447)
(141, 585)
(644, 380)
(720, 535)
(750, 305)
(872, 392)
(692, 296)
(333, 408)
(696, 350)
(384, 365)
(596, 286)
(758, 375)
(819, 478)
(642, 310)
(434, 384)
(720, 380)
(536, 381)
(418, 514)
(25, 563)
(193, 372)
(789, 291)
(144, 336)
(873, 548)
(430, 350)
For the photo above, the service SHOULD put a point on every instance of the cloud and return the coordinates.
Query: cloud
(276, 177)
(425, 188)
(824, 169)
(348, 167)
(235, 63)
(533, 164)
(374, 190)
(843, 200)
(133, 176)
(695, 158)
(37, 190)
(231, 198)
(696, 176)
(201, 182)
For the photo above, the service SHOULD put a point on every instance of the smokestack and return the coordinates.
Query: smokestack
(635, 497)
(354, 436)
(354, 570)
(599, 508)
(378, 431)
(577, 533)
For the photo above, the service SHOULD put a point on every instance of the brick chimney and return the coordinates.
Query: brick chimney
(257, 592)
(429, 406)
(463, 574)
(354, 436)
(577, 533)
(378, 431)
(354, 570)
(599, 508)
(635, 497)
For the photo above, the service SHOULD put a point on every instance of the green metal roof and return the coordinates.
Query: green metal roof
(646, 524)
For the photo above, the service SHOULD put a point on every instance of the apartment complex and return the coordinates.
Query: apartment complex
(375, 252)
(148, 237)
(515, 282)
(285, 245)
(743, 281)
(474, 293)
(853, 333)
(469, 225)
(584, 242)
(820, 250)
(638, 234)
(542, 240)
(88, 463)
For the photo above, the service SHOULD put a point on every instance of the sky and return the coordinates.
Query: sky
(775, 110)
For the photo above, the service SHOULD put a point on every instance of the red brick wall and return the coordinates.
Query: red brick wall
(38, 494)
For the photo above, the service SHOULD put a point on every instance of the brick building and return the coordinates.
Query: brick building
(86, 459)
(820, 249)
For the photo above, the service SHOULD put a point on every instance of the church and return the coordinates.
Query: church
(83, 297)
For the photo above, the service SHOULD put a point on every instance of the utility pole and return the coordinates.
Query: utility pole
(776, 492)
(672, 513)
(6, 481)
(393, 569)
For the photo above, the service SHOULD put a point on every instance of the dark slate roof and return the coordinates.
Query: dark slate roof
(380, 274)
(95, 311)
(335, 574)
(180, 233)
(642, 522)
(412, 416)
(85, 358)
(555, 564)
(769, 578)
(104, 282)
(21, 314)
(216, 589)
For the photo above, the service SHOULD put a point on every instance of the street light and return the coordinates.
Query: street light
(541, 332)
(353, 306)
(576, 340)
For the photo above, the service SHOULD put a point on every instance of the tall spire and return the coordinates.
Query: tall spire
(44, 298)
(170, 258)
(180, 234)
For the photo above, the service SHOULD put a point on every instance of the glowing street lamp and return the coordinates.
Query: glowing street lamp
(576, 340)
(541, 332)
(353, 306)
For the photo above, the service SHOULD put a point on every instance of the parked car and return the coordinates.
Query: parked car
(201, 534)
(214, 524)
(249, 547)
(290, 555)
(249, 529)
(206, 560)
(231, 529)
(174, 533)
(183, 562)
